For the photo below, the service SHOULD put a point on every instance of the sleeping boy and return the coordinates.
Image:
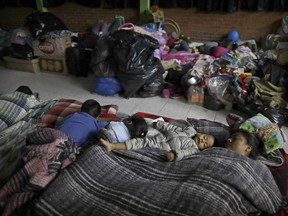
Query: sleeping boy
(179, 142)
(120, 131)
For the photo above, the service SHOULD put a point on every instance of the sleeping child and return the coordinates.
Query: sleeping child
(179, 142)
(128, 128)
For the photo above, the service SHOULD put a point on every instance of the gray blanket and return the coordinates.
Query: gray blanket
(12, 138)
(214, 182)
(14, 107)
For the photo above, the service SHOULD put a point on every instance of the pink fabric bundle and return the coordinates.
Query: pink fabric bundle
(218, 51)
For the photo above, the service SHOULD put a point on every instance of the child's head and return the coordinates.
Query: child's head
(91, 107)
(137, 126)
(245, 143)
(204, 141)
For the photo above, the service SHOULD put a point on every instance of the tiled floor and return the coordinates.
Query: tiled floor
(53, 86)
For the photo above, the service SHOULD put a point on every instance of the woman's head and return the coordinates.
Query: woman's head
(245, 143)
(91, 107)
(137, 126)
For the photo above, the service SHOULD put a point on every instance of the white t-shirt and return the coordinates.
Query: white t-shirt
(119, 131)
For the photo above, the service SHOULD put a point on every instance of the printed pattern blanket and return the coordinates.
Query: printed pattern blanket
(50, 151)
(216, 181)
(64, 107)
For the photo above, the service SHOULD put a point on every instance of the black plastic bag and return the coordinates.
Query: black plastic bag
(153, 88)
(102, 50)
(211, 102)
(40, 23)
(86, 40)
(134, 54)
(102, 60)
(77, 61)
(106, 68)
(278, 116)
(22, 51)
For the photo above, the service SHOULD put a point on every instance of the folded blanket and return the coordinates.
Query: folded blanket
(12, 140)
(14, 107)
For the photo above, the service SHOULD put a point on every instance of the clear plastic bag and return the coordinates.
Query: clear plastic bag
(218, 85)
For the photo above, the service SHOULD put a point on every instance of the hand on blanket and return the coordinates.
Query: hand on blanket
(170, 156)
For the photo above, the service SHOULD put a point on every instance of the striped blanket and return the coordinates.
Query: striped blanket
(213, 182)
(50, 150)
(14, 107)
(12, 138)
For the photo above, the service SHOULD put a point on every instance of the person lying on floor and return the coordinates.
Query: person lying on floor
(245, 143)
(27, 90)
(179, 142)
(16, 105)
(240, 141)
(128, 128)
(83, 126)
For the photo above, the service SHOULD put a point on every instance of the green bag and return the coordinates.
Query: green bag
(269, 94)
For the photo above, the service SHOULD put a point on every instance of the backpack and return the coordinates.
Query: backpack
(269, 94)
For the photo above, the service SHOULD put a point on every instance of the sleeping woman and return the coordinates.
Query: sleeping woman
(245, 143)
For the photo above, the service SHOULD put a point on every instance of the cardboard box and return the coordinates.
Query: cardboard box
(22, 64)
(55, 64)
(51, 47)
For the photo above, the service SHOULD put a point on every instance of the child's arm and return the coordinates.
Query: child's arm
(157, 141)
(165, 126)
(137, 143)
(180, 154)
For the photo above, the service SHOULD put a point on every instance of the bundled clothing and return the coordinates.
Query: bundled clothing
(171, 137)
(49, 152)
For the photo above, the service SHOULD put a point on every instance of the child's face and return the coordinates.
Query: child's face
(204, 141)
(238, 143)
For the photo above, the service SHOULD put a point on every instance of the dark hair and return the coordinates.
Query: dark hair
(138, 127)
(254, 141)
(91, 107)
(25, 90)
